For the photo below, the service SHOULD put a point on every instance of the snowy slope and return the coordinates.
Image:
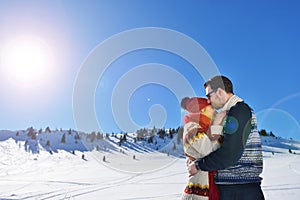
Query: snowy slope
(29, 169)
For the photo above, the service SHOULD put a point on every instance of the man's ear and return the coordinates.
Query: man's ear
(220, 92)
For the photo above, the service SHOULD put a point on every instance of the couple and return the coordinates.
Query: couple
(223, 150)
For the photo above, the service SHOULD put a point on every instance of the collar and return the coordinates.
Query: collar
(231, 102)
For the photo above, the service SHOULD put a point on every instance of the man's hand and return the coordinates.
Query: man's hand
(191, 167)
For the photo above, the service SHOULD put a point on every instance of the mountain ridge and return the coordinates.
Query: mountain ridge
(71, 140)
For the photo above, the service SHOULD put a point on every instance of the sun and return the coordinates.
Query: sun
(26, 62)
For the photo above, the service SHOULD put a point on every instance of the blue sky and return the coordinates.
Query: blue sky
(255, 43)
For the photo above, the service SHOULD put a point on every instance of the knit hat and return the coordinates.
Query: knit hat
(194, 105)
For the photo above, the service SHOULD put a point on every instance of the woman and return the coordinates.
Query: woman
(198, 142)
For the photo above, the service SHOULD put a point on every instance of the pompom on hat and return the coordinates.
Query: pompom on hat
(194, 104)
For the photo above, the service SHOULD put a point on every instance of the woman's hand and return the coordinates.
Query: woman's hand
(191, 168)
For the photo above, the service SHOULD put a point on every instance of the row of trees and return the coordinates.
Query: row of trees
(144, 134)
(148, 134)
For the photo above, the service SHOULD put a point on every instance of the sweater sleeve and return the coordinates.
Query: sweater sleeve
(236, 131)
(196, 143)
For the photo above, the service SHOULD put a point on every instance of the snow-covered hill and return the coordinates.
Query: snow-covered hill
(147, 140)
(66, 164)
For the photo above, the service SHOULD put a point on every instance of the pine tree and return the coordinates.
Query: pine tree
(179, 134)
(271, 134)
(99, 136)
(92, 136)
(63, 138)
(48, 129)
(174, 147)
(263, 132)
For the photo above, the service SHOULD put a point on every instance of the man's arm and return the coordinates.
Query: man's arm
(236, 131)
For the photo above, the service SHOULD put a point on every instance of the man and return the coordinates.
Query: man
(239, 160)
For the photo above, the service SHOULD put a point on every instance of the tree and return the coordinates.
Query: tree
(263, 132)
(174, 147)
(92, 136)
(77, 137)
(121, 140)
(179, 134)
(271, 134)
(99, 136)
(150, 139)
(161, 133)
(63, 138)
(31, 133)
(152, 132)
(48, 129)
(171, 133)
(141, 134)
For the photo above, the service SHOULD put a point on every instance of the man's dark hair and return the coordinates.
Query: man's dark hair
(220, 82)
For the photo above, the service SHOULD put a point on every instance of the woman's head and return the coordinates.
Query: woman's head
(200, 111)
(196, 106)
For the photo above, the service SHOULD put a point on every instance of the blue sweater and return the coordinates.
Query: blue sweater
(239, 160)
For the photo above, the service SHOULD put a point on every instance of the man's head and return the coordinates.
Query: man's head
(218, 90)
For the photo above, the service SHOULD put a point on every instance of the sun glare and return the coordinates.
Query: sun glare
(26, 62)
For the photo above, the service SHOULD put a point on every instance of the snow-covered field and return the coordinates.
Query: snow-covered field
(134, 171)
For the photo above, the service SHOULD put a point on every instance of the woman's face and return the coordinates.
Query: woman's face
(209, 111)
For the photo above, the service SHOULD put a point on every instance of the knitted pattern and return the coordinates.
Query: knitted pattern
(197, 144)
(250, 165)
(196, 188)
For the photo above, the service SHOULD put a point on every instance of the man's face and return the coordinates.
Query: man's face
(214, 97)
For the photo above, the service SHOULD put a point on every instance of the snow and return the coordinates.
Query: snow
(132, 171)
